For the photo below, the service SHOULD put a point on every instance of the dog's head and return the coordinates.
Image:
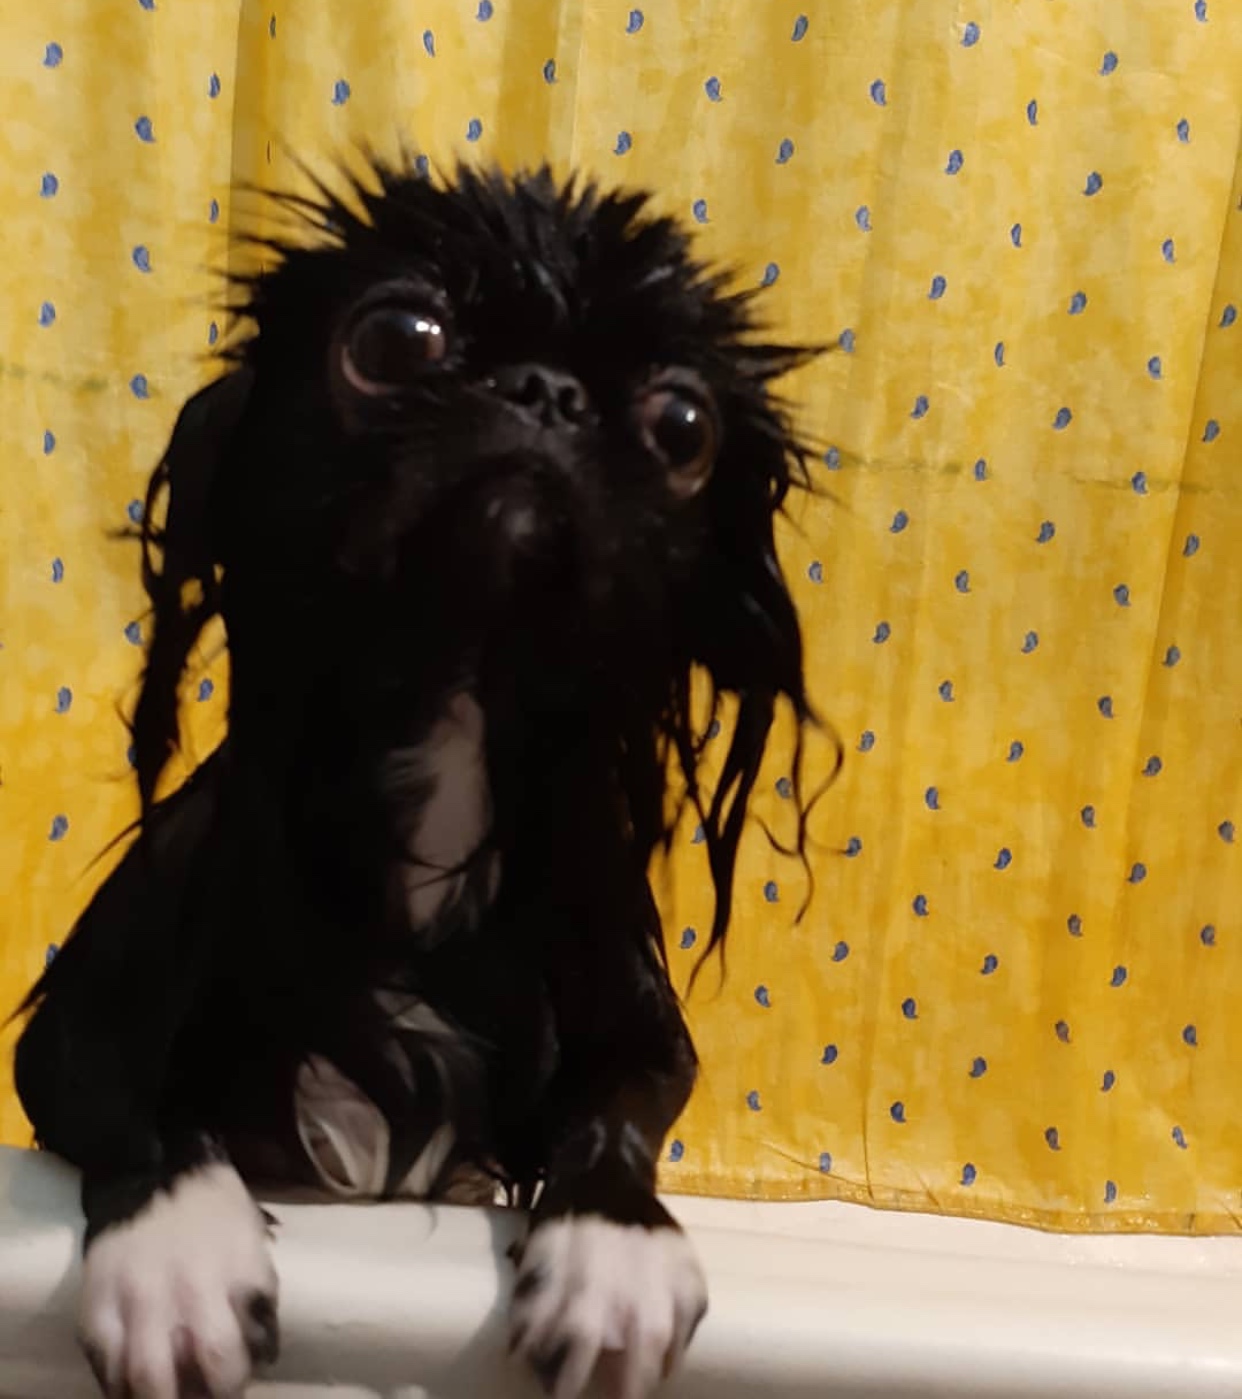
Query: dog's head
(497, 431)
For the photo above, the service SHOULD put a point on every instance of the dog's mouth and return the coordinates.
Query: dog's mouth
(519, 536)
(538, 564)
(526, 508)
(516, 559)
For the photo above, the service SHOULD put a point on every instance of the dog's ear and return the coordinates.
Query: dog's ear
(748, 638)
(179, 562)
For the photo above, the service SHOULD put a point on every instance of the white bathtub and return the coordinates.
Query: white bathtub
(807, 1300)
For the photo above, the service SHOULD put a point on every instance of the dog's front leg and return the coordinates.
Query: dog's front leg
(178, 1290)
(178, 1293)
(606, 1274)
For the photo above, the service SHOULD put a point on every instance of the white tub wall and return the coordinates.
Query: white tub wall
(808, 1301)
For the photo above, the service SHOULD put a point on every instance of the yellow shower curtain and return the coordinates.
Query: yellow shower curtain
(1017, 221)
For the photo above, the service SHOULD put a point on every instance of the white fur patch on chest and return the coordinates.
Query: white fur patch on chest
(452, 821)
(347, 1141)
(187, 1285)
(345, 1136)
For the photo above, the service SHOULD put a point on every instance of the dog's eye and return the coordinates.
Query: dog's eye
(679, 430)
(388, 344)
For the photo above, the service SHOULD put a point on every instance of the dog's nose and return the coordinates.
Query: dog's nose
(552, 397)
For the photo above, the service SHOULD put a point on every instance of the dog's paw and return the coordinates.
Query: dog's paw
(588, 1291)
(180, 1301)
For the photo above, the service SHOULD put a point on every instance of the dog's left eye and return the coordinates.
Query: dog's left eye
(680, 430)
(388, 344)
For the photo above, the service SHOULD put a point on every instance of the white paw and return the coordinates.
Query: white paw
(180, 1301)
(591, 1291)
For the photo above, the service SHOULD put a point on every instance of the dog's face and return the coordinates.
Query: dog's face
(515, 405)
(500, 431)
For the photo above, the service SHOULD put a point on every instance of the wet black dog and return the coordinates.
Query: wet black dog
(495, 473)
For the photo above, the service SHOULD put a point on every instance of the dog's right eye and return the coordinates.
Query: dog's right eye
(387, 345)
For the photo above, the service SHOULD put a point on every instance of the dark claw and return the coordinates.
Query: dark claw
(698, 1321)
(529, 1281)
(261, 1328)
(191, 1383)
(261, 1308)
(547, 1367)
(671, 1359)
(94, 1358)
(517, 1339)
